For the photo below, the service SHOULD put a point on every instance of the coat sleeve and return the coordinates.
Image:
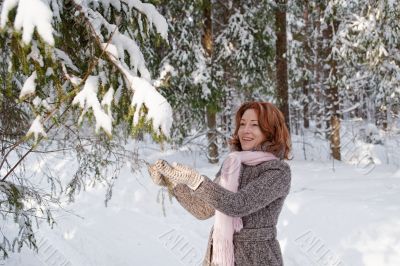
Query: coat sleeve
(272, 184)
(194, 205)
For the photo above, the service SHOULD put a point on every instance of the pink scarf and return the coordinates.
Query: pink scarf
(224, 225)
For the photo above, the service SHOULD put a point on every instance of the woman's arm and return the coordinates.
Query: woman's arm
(196, 206)
(264, 189)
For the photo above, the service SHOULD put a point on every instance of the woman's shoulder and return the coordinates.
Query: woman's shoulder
(275, 164)
(276, 168)
(269, 170)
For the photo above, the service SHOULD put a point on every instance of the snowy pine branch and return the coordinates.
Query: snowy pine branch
(100, 29)
(62, 61)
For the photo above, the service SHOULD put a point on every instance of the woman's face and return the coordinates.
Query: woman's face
(250, 134)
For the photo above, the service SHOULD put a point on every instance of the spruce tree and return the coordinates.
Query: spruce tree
(74, 79)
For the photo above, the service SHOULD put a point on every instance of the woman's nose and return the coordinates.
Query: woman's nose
(247, 128)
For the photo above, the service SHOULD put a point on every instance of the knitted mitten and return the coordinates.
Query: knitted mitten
(158, 178)
(180, 174)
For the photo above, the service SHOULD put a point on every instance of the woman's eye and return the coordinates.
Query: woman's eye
(241, 124)
(255, 125)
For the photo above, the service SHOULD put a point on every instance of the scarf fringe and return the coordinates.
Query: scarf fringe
(237, 224)
(223, 253)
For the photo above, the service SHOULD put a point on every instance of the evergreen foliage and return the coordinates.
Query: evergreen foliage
(73, 66)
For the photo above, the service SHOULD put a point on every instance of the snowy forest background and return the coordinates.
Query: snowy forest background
(98, 81)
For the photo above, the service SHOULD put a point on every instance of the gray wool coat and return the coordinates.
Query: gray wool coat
(259, 200)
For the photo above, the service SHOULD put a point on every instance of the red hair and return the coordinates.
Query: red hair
(272, 124)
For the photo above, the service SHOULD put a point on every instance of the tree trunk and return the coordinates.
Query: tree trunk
(307, 65)
(318, 68)
(222, 13)
(211, 116)
(281, 60)
(330, 78)
(212, 136)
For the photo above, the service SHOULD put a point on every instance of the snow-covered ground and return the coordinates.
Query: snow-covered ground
(333, 216)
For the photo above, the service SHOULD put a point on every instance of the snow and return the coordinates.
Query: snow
(331, 217)
(75, 80)
(111, 49)
(31, 14)
(120, 41)
(87, 98)
(65, 59)
(350, 108)
(137, 61)
(159, 110)
(152, 15)
(29, 86)
(7, 6)
(120, 46)
(107, 100)
(37, 128)
(167, 69)
(35, 54)
(38, 102)
(49, 72)
(149, 10)
(201, 73)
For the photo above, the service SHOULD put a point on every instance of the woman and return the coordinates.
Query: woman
(247, 194)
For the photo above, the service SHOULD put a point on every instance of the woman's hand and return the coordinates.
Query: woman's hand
(178, 173)
(158, 178)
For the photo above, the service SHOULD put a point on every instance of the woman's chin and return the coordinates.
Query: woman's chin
(248, 148)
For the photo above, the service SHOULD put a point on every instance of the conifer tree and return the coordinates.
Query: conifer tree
(73, 78)
(241, 67)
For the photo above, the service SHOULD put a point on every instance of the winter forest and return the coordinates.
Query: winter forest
(91, 91)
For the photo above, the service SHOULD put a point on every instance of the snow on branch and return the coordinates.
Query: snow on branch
(7, 6)
(121, 42)
(64, 58)
(149, 10)
(31, 14)
(159, 110)
(29, 86)
(87, 98)
(152, 15)
(107, 100)
(36, 129)
(39, 15)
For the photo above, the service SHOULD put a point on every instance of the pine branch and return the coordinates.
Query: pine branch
(70, 95)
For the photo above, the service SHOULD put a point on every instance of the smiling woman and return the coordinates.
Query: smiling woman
(261, 127)
(247, 194)
(250, 134)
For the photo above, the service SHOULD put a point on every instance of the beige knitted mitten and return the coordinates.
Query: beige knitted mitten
(180, 174)
(158, 178)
